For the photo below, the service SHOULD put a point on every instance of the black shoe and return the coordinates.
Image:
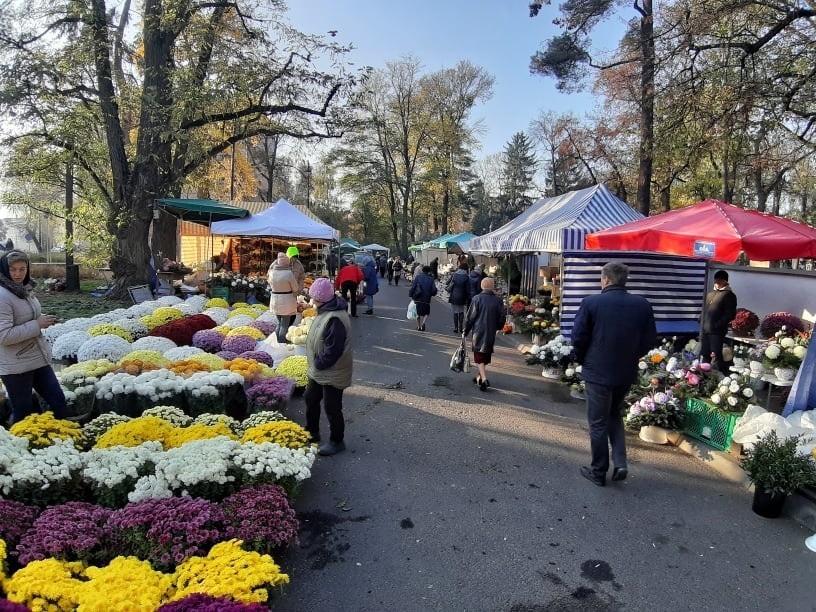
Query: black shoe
(456, 331)
(596, 480)
(369, 312)
(354, 316)
(331, 448)
(476, 379)
(483, 385)
(422, 328)
(620, 473)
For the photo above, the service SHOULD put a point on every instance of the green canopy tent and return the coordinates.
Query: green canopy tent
(200, 211)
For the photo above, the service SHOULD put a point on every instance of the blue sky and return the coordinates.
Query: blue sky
(497, 35)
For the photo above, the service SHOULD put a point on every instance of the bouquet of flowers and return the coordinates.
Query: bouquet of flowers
(785, 353)
(556, 353)
(745, 322)
(781, 321)
(733, 394)
(214, 392)
(659, 408)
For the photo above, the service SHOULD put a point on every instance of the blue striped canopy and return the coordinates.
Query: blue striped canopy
(553, 225)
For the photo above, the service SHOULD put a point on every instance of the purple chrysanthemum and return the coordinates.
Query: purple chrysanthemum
(10, 606)
(74, 531)
(227, 355)
(200, 602)
(260, 516)
(239, 344)
(16, 519)
(269, 393)
(259, 356)
(166, 531)
(266, 327)
(208, 340)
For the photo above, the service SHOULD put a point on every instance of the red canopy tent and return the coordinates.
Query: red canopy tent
(711, 229)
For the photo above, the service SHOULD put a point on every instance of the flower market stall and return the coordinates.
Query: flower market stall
(170, 488)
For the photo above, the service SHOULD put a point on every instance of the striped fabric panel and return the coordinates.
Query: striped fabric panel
(675, 286)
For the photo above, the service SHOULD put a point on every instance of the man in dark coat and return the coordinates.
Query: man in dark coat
(720, 310)
(484, 318)
(611, 332)
(458, 288)
(423, 288)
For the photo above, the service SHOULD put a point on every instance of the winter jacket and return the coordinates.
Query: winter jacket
(372, 286)
(484, 318)
(459, 288)
(423, 288)
(475, 278)
(720, 310)
(349, 273)
(299, 273)
(283, 289)
(329, 354)
(22, 346)
(611, 332)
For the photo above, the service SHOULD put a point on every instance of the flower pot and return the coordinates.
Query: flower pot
(766, 504)
(785, 373)
(654, 434)
(756, 367)
(552, 373)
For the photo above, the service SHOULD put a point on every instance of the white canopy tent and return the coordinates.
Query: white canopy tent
(374, 247)
(281, 219)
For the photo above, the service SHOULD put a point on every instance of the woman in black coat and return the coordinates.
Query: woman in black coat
(459, 294)
(423, 288)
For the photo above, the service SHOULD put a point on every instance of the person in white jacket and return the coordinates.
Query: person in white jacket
(25, 356)
(283, 290)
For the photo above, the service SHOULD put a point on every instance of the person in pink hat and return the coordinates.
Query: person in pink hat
(330, 358)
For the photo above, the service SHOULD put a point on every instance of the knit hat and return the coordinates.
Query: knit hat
(322, 290)
(292, 251)
(282, 260)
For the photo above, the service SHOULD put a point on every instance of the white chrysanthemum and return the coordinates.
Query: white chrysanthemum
(108, 467)
(142, 309)
(734, 387)
(716, 399)
(67, 344)
(773, 352)
(268, 317)
(732, 401)
(196, 302)
(172, 414)
(219, 315)
(800, 351)
(55, 331)
(169, 300)
(106, 346)
(182, 352)
(186, 309)
(787, 342)
(153, 343)
(113, 384)
(748, 392)
(270, 458)
(239, 321)
(110, 316)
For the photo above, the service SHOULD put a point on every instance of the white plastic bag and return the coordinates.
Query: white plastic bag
(412, 311)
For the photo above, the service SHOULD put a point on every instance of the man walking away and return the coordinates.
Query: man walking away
(611, 332)
(484, 318)
(720, 310)
(423, 288)
(397, 270)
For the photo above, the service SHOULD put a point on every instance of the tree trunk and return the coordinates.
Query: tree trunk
(647, 95)
(130, 262)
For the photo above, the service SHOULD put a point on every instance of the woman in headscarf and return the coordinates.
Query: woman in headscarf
(283, 290)
(25, 356)
(330, 361)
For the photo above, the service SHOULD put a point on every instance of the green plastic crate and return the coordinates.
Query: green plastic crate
(708, 425)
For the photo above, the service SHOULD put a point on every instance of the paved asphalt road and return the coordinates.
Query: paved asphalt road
(452, 499)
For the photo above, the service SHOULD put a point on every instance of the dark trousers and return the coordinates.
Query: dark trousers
(44, 382)
(713, 343)
(284, 321)
(349, 291)
(396, 278)
(332, 398)
(605, 417)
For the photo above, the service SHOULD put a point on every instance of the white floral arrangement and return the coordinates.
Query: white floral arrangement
(208, 418)
(219, 315)
(555, 352)
(106, 468)
(268, 458)
(143, 309)
(239, 321)
(182, 352)
(115, 384)
(39, 467)
(67, 345)
(172, 414)
(267, 317)
(259, 418)
(157, 385)
(186, 309)
(196, 302)
(169, 300)
(101, 424)
(134, 327)
(734, 393)
(153, 343)
(106, 346)
(55, 331)
(110, 316)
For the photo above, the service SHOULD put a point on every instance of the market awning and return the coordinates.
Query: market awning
(200, 211)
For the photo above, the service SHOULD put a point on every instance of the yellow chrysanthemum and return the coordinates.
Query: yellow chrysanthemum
(42, 429)
(213, 361)
(48, 585)
(216, 303)
(262, 308)
(250, 312)
(285, 433)
(146, 356)
(229, 571)
(167, 313)
(109, 328)
(249, 369)
(236, 305)
(135, 432)
(246, 330)
(93, 367)
(294, 367)
(222, 329)
(188, 367)
(198, 431)
(127, 583)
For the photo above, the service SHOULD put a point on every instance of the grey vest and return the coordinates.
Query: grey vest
(339, 375)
